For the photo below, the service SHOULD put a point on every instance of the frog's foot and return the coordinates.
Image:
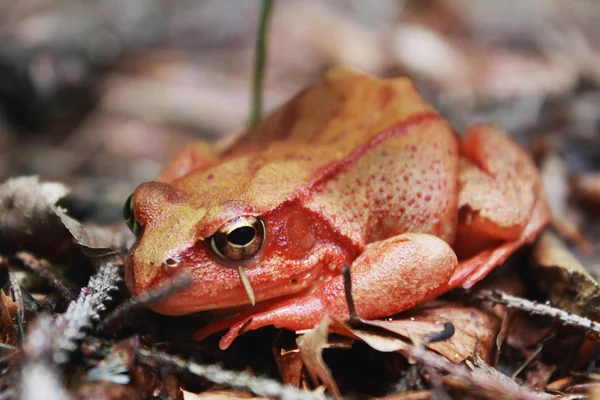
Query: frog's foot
(474, 269)
(501, 206)
(294, 314)
(390, 276)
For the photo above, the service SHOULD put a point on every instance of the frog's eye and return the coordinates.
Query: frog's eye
(129, 216)
(239, 238)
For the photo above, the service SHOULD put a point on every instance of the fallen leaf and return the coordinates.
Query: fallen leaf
(289, 364)
(554, 176)
(30, 217)
(587, 187)
(474, 330)
(219, 395)
(27, 212)
(566, 282)
(311, 346)
(538, 374)
(9, 309)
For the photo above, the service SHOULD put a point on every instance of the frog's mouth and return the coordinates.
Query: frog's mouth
(220, 287)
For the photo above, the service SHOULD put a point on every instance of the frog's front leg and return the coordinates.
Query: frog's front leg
(390, 276)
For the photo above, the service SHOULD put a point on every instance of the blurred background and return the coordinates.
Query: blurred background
(98, 94)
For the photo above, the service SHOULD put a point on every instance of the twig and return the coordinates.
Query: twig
(354, 318)
(533, 307)
(241, 380)
(81, 312)
(18, 297)
(528, 361)
(260, 61)
(176, 284)
(44, 269)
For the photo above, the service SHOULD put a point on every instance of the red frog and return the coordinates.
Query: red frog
(353, 171)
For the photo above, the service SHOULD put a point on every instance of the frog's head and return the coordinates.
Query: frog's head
(259, 244)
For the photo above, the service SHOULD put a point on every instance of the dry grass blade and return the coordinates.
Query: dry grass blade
(44, 270)
(178, 283)
(240, 380)
(533, 307)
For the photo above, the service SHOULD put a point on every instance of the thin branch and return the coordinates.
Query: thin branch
(533, 307)
(18, 297)
(45, 270)
(260, 61)
(240, 380)
(354, 318)
(82, 312)
(131, 305)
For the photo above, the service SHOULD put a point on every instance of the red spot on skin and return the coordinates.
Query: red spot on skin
(210, 176)
(428, 197)
(405, 177)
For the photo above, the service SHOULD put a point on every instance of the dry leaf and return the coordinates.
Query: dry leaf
(289, 364)
(555, 176)
(29, 216)
(311, 346)
(28, 212)
(475, 330)
(587, 187)
(568, 285)
(9, 309)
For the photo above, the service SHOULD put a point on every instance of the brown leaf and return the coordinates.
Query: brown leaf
(311, 346)
(538, 374)
(29, 216)
(475, 330)
(9, 309)
(554, 174)
(587, 187)
(290, 365)
(28, 212)
(566, 282)
(219, 395)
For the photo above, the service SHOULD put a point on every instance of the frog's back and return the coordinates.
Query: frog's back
(370, 155)
(383, 161)
(346, 109)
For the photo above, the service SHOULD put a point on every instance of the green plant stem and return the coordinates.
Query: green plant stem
(260, 61)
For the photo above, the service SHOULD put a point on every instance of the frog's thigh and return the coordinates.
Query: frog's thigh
(498, 187)
(193, 156)
(393, 275)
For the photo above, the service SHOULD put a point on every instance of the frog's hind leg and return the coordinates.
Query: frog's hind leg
(501, 207)
(390, 276)
(194, 156)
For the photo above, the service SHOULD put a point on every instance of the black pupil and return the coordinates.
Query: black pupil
(241, 236)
